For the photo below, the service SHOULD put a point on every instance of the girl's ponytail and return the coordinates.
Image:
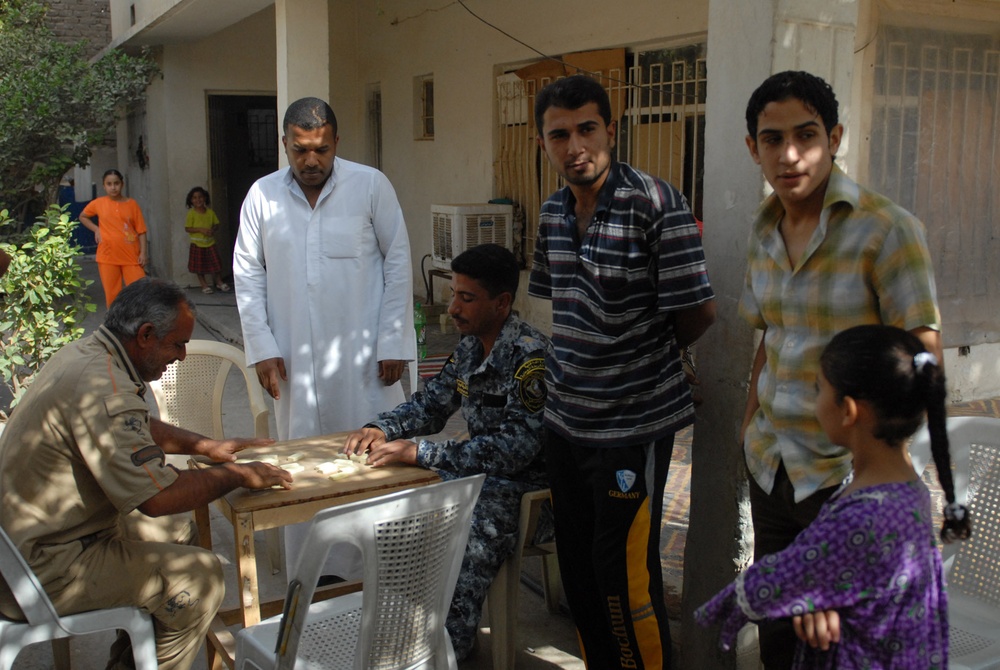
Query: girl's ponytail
(928, 374)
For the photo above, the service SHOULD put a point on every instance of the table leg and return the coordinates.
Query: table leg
(203, 526)
(214, 659)
(246, 569)
(60, 654)
(221, 647)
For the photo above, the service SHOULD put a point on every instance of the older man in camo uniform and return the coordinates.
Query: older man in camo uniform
(497, 377)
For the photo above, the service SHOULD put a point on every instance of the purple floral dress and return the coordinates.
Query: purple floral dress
(870, 555)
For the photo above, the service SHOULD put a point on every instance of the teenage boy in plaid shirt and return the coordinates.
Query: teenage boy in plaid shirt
(825, 254)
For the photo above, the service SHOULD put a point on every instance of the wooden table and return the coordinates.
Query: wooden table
(431, 274)
(250, 511)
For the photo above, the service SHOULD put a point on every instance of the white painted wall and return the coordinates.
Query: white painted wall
(148, 186)
(145, 11)
(403, 39)
(974, 375)
(240, 59)
(389, 43)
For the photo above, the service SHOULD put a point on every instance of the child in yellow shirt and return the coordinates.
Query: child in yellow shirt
(203, 259)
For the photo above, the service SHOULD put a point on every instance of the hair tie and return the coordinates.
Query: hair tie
(955, 512)
(922, 359)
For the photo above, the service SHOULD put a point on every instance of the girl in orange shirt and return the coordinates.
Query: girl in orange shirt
(120, 233)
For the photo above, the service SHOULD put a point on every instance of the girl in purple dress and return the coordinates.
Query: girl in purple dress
(868, 565)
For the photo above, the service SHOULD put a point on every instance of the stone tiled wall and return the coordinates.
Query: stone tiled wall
(75, 20)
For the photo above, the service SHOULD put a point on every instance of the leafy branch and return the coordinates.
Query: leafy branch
(45, 299)
(55, 104)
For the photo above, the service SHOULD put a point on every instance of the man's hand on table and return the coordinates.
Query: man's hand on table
(391, 453)
(380, 452)
(257, 475)
(224, 451)
(362, 440)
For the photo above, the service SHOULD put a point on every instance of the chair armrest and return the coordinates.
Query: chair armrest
(258, 408)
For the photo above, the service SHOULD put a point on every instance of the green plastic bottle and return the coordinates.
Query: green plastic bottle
(420, 325)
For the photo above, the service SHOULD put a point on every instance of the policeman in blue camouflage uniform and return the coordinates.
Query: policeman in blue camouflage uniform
(496, 376)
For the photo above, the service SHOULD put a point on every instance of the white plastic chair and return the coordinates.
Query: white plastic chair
(503, 593)
(973, 566)
(43, 623)
(412, 544)
(189, 395)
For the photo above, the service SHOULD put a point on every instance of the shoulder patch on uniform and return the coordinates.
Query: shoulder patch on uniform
(531, 378)
(147, 454)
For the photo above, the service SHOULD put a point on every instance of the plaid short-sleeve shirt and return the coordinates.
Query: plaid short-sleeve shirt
(867, 262)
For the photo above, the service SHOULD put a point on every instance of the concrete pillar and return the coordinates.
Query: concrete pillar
(347, 91)
(317, 48)
(303, 52)
(747, 42)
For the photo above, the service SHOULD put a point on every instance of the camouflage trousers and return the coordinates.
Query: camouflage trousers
(491, 541)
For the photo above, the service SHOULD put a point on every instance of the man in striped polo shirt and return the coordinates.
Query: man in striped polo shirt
(619, 255)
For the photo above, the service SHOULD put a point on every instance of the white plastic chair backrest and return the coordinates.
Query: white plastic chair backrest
(412, 544)
(189, 394)
(975, 448)
(962, 431)
(972, 440)
(27, 590)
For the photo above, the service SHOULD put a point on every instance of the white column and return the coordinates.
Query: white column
(303, 51)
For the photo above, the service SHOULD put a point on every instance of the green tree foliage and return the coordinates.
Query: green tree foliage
(54, 104)
(45, 300)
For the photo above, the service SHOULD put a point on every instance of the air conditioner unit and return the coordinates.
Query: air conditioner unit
(456, 228)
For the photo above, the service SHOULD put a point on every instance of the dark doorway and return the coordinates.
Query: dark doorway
(243, 130)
